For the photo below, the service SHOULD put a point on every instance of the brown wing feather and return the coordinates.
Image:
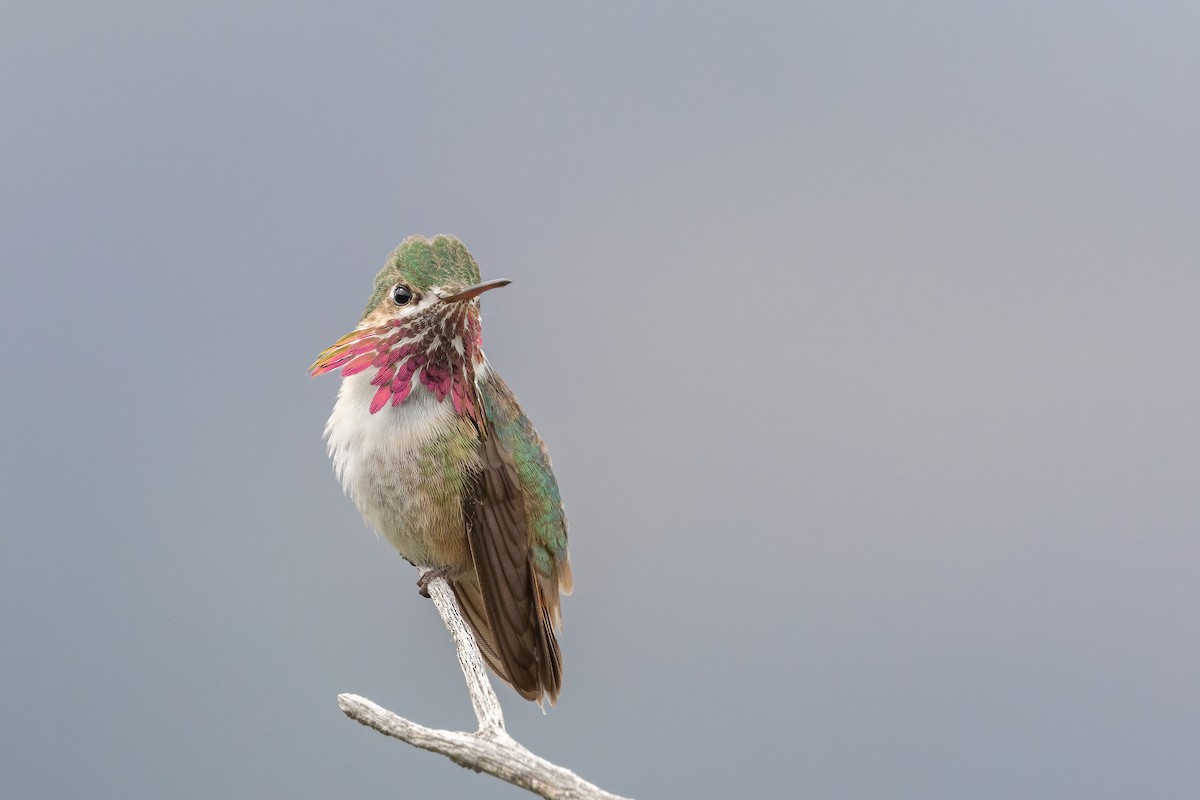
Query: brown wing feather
(470, 600)
(519, 626)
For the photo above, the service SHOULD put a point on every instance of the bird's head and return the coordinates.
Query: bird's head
(421, 326)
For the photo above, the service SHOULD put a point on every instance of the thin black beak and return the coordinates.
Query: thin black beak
(471, 292)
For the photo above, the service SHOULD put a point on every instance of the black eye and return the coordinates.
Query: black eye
(401, 295)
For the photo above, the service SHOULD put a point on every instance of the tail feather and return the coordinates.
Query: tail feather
(526, 657)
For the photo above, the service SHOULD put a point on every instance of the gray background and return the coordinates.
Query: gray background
(864, 338)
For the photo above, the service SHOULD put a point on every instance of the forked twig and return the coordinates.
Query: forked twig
(489, 749)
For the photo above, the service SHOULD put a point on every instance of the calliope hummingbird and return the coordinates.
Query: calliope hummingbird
(436, 453)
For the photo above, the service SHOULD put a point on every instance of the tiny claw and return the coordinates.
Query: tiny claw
(428, 575)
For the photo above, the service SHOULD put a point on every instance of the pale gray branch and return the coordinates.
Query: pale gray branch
(489, 749)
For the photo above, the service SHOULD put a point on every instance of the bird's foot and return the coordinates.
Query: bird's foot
(427, 576)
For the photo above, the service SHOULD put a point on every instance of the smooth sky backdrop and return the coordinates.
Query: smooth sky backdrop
(864, 337)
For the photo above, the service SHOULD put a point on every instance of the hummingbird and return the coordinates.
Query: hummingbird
(436, 453)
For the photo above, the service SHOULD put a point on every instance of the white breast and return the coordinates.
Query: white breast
(376, 459)
(355, 434)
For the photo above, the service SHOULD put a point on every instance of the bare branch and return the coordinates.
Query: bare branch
(489, 749)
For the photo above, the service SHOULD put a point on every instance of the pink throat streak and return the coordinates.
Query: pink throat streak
(423, 348)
